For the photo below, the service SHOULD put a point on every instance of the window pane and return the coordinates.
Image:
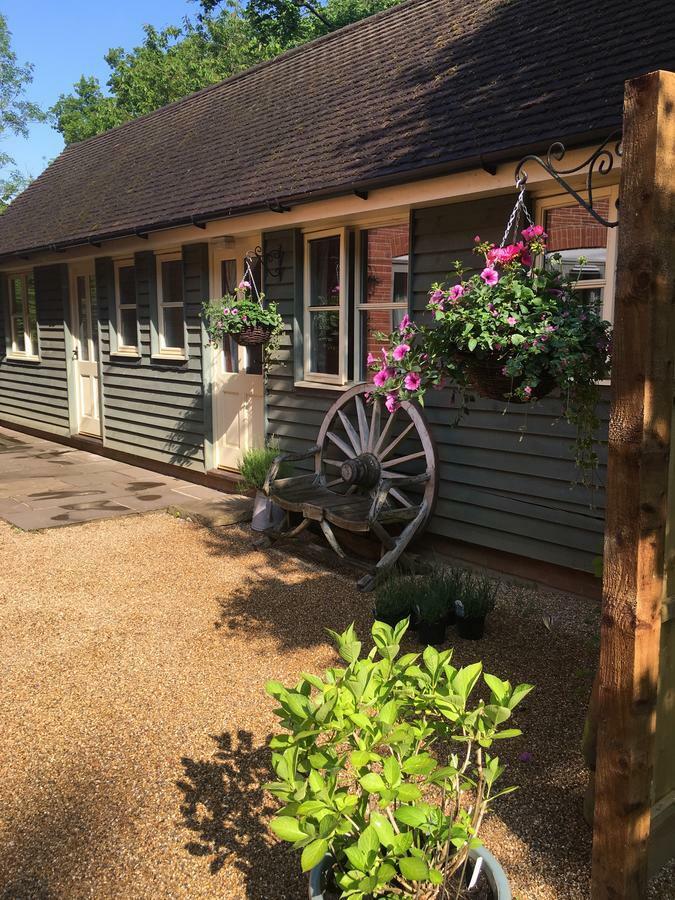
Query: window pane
(325, 343)
(386, 265)
(228, 276)
(19, 334)
(128, 333)
(172, 281)
(174, 335)
(373, 320)
(324, 268)
(16, 286)
(127, 285)
(573, 232)
(32, 314)
(83, 316)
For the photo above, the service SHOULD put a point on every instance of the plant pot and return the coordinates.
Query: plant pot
(496, 876)
(266, 513)
(471, 628)
(254, 334)
(484, 374)
(431, 632)
(388, 620)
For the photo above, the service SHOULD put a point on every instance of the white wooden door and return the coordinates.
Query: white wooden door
(238, 392)
(85, 348)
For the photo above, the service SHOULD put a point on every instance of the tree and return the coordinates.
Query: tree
(222, 39)
(16, 112)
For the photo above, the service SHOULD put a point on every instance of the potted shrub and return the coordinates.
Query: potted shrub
(394, 598)
(249, 320)
(432, 608)
(385, 769)
(476, 600)
(514, 331)
(253, 468)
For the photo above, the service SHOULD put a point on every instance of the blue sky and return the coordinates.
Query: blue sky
(68, 38)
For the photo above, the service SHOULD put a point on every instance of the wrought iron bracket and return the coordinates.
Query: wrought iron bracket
(600, 162)
(271, 262)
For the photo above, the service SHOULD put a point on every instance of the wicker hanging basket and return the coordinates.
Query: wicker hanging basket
(253, 335)
(485, 377)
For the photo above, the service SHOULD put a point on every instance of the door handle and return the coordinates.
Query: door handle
(76, 355)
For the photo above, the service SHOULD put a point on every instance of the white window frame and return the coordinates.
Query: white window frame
(164, 351)
(340, 307)
(13, 352)
(120, 348)
(608, 283)
(360, 371)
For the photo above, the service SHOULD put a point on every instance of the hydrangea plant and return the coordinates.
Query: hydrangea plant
(527, 323)
(386, 766)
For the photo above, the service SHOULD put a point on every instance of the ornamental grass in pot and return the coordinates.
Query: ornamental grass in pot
(386, 768)
(253, 468)
(476, 598)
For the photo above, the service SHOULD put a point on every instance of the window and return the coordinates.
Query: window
(325, 299)
(574, 233)
(23, 337)
(125, 296)
(171, 317)
(382, 299)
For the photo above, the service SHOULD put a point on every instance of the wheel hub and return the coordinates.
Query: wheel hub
(364, 470)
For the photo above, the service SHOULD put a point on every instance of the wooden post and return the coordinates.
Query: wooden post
(637, 483)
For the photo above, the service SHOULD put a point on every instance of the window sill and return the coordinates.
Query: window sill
(125, 354)
(325, 386)
(168, 357)
(22, 357)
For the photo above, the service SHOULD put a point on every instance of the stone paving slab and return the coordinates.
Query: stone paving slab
(46, 485)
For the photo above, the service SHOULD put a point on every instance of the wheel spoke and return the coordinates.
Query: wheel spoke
(396, 441)
(385, 432)
(400, 497)
(336, 463)
(351, 433)
(403, 459)
(364, 431)
(375, 423)
(346, 449)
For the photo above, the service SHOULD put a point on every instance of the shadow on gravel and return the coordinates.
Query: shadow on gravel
(226, 809)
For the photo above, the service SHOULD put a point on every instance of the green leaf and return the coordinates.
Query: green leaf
(392, 771)
(356, 857)
(517, 339)
(287, 829)
(383, 828)
(520, 691)
(420, 764)
(498, 687)
(410, 815)
(473, 343)
(408, 793)
(466, 678)
(507, 733)
(389, 712)
(368, 841)
(313, 854)
(359, 758)
(372, 782)
(385, 873)
(413, 868)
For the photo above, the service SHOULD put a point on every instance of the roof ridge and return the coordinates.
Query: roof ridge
(238, 76)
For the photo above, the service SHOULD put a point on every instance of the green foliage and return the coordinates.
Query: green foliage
(477, 594)
(170, 63)
(255, 464)
(11, 186)
(394, 598)
(234, 313)
(383, 763)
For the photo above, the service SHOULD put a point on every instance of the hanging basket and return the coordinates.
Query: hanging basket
(485, 377)
(253, 335)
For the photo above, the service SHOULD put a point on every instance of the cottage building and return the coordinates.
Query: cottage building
(357, 168)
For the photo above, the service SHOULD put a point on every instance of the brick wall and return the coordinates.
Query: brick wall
(572, 228)
(384, 244)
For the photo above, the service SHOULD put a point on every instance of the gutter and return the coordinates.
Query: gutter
(487, 162)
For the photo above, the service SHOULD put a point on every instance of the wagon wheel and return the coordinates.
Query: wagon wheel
(360, 444)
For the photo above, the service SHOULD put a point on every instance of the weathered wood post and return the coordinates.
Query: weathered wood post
(637, 490)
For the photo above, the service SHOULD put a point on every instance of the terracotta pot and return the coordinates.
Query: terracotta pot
(254, 334)
(485, 376)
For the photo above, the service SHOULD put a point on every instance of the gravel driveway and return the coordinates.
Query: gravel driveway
(133, 719)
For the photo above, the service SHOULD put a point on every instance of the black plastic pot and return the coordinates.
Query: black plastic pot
(471, 628)
(388, 620)
(431, 632)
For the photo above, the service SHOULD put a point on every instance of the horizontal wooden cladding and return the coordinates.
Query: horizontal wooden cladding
(35, 393)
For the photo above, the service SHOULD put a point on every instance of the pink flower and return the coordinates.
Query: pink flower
(456, 292)
(226, 311)
(400, 351)
(392, 403)
(412, 381)
(371, 360)
(526, 258)
(534, 231)
(512, 320)
(244, 285)
(406, 322)
(489, 276)
(476, 240)
(381, 377)
(436, 297)
(527, 390)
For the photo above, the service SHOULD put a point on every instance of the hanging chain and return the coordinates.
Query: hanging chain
(519, 208)
(248, 275)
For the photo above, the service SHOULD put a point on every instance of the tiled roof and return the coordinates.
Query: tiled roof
(427, 85)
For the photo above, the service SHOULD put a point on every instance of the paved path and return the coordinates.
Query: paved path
(45, 485)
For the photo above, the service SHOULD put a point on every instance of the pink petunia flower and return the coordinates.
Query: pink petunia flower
(456, 292)
(381, 377)
(512, 320)
(436, 297)
(489, 276)
(534, 231)
(400, 351)
(406, 323)
(476, 240)
(244, 285)
(371, 360)
(527, 390)
(526, 258)
(412, 381)
(392, 403)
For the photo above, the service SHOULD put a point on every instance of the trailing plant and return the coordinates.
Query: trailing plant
(255, 464)
(385, 766)
(394, 597)
(235, 313)
(527, 326)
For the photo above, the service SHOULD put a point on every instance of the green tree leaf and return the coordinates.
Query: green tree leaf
(313, 854)
(413, 868)
(287, 829)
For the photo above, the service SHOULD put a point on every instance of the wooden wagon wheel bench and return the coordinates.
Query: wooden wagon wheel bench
(375, 473)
